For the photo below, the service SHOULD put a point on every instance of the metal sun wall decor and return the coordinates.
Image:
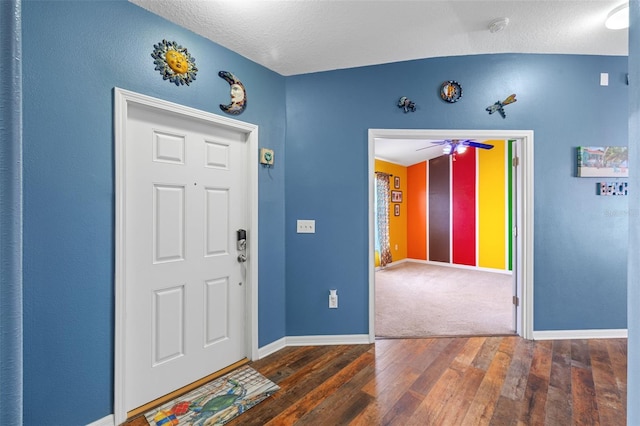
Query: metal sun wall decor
(238, 94)
(406, 104)
(499, 106)
(174, 62)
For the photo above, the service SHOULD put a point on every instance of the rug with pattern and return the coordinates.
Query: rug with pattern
(216, 402)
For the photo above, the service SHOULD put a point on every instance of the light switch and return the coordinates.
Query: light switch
(306, 226)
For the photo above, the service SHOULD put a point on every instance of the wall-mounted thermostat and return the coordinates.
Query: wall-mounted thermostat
(266, 156)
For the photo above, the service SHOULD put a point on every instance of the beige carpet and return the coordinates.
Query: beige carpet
(420, 300)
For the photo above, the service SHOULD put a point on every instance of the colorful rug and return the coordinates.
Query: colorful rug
(216, 402)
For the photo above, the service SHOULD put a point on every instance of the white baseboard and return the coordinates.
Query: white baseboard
(448, 265)
(272, 347)
(105, 421)
(455, 265)
(346, 339)
(398, 262)
(580, 334)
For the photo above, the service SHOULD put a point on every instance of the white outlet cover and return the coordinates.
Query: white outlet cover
(604, 79)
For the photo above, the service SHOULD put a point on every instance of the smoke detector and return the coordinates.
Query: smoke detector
(498, 25)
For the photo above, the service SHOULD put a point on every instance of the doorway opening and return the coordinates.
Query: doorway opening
(522, 207)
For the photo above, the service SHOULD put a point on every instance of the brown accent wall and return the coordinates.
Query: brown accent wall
(439, 209)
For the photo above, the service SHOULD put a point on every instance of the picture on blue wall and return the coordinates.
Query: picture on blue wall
(603, 161)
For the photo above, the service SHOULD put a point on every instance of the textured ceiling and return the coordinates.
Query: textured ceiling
(299, 37)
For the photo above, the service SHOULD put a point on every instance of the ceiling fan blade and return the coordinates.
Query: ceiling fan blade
(477, 145)
(435, 144)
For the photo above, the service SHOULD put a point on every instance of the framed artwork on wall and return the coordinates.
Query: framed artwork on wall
(396, 209)
(603, 161)
(396, 182)
(396, 196)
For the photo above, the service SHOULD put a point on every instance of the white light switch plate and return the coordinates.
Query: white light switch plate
(306, 226)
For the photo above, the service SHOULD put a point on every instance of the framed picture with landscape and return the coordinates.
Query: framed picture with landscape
(603, 161)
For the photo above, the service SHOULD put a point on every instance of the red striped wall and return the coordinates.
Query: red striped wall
(463, 200)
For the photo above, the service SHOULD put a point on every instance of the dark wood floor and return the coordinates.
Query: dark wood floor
(447, 381)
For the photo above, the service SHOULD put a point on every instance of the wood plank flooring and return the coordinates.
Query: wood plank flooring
(446, 381)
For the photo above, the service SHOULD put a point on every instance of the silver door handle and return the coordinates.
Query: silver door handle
(242, 258)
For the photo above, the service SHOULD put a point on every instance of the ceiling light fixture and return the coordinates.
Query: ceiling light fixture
(618, 18)
(498, 25)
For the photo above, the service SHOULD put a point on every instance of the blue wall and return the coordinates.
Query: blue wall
(75, 53)
(11, 313)
(580, 238)
(633, 301)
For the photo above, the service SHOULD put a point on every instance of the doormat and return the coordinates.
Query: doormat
(216, 402)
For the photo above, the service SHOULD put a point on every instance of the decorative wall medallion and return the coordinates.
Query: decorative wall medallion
(406, 104)
(450, 91)
(174, 62)
(238, 94)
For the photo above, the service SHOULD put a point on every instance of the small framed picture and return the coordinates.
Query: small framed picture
(396, 196)
(396, 182)
(396, 209)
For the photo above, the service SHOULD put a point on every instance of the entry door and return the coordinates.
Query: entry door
(185, 200)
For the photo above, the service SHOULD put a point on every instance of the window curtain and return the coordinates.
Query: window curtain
(382, 218)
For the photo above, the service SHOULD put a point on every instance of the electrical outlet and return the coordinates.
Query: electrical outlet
(333, 299)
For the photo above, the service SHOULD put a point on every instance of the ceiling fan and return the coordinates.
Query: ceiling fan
(457, 146)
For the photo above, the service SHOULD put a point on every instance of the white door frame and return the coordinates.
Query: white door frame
(524, 244)
(122, 100)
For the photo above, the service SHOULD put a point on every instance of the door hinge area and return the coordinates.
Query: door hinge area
(516, 300)
(515, 161)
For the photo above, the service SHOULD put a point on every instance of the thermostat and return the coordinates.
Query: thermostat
(266, 156)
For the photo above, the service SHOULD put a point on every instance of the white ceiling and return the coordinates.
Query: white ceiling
(406, 152)
(298, 37)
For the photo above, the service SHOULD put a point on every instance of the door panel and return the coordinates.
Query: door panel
(184, 293)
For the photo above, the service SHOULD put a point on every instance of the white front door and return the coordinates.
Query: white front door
(185, 198)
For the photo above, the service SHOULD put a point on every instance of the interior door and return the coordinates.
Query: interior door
(185, 200)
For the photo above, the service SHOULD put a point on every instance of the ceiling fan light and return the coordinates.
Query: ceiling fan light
(447, 149)
(461, 149)
(618, 18)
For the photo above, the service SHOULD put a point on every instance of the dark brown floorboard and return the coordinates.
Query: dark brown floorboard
(445, 381)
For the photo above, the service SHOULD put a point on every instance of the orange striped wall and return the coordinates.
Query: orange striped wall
(417, 211)
(397, 224)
